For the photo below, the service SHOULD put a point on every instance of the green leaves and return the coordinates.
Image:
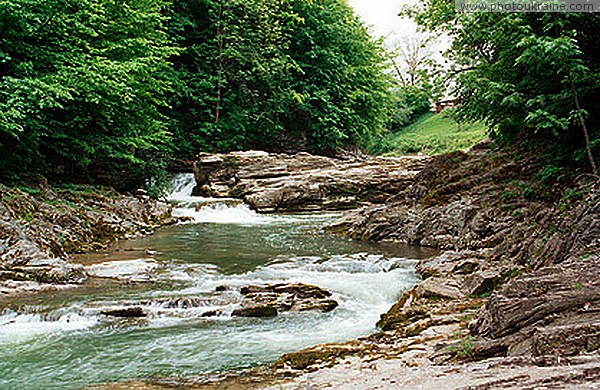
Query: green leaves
(277, 75)
(81, 84)
(94, 88)
(522, 72)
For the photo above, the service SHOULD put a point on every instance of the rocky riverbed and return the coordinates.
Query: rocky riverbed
(42, 227)
(517, 291)
(512, 301)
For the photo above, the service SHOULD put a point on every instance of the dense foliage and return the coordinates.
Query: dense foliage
(80, 85)
(277, 75)
(527, 75)
(96, 89)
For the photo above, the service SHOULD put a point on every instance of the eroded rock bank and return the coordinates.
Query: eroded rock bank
(40, 229)
(303, 182)
(512, 302)
(516, 294)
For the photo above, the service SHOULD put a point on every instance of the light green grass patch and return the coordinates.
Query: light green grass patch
(434, 134)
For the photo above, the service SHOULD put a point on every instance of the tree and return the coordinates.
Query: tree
(81, 83)
(413, 59)
(527, 74)
(345, 92)
(276, 75)
(419, 77)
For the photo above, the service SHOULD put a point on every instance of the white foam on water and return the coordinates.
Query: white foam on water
(16, 327)
(176, 335)
(181, 187)
(225, 214)
(126, 269)
(365, 285)
(213, 210)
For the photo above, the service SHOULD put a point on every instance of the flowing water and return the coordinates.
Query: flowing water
(61, 340)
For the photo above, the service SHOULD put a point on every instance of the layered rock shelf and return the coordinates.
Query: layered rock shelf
(303, 182)
(40, 231)
(268, 301)
(513, 301)
(258, 301)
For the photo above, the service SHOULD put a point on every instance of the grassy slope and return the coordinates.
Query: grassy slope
(434, 134)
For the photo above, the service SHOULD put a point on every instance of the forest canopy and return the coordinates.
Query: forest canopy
(108, 91)
(90, 88)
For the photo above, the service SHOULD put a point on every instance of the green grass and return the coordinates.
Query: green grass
(433, 134)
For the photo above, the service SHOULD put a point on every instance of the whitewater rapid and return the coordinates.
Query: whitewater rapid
(63, 341)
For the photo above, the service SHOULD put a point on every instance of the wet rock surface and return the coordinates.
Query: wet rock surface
(130, 312)
(303, 182)
(253, 301)
(41, 229)
(132, 271)
(543, 251)
(268, 301)
(514, 302)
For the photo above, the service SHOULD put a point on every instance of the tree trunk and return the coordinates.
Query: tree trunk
(586, 134)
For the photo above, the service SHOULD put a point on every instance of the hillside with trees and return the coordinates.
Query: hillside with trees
(530, 77)
(105, 91)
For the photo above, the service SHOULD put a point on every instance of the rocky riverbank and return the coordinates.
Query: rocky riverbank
(512, 302)
(41, 227)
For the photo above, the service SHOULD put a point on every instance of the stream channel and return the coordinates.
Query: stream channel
(60, 339)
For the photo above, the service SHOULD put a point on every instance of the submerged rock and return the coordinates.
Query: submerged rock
(130, 312)
(303, 182)
(260, 311)
(211, 313)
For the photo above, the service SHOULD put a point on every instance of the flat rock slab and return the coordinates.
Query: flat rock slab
(439, 287)
(515, 373)
(303, 182)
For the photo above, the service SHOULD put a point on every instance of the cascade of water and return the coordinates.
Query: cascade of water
(199, 268)
(210, 210)
(181, 187)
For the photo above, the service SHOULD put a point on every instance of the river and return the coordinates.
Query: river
(60, 339)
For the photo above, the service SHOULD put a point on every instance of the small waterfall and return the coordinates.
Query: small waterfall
(181, 187)
(210, 210)
(64, 340)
